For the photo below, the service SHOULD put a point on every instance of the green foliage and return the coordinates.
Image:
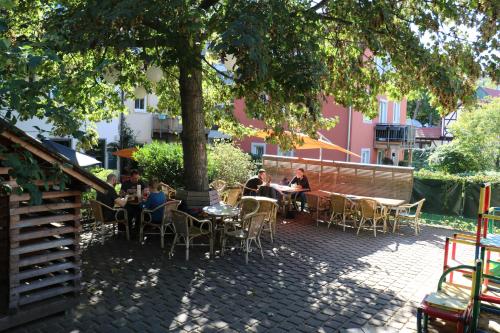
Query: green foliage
(420, 158)
(451, 158)
(475, 146)
(163, 161)
(102, 174)
(478, 177)
(420, 108)
(455, 222)
(26, 169)
(229, 163)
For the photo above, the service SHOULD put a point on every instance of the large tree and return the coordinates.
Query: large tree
(290, 54)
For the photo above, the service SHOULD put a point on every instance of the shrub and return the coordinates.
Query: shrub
(229, 163)
(163, 161)
(452, 158)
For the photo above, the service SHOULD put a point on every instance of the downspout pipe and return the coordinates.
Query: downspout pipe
(348, 158)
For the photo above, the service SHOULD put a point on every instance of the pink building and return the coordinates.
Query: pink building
(385, 136)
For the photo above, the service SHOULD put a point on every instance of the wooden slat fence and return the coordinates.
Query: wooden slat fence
(345, 177)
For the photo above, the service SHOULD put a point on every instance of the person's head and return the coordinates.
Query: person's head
(262, 174)
(154, 184)
(111, 179)
(299, 172)
(134, 176)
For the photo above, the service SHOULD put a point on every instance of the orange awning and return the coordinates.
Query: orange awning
(308, 142)
(125, 153)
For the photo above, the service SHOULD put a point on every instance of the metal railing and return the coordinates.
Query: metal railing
(393, 133)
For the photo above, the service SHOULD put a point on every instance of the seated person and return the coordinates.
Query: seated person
(155, 199)
(301, 185)
(130, 186)
(133, 208)
(252, 185)
(111, 198)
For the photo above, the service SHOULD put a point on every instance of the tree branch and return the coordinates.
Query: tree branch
(218, 71)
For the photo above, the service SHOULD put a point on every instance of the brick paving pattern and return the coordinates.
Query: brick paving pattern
(312, 279)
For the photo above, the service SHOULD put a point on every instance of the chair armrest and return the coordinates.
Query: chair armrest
(202, 224)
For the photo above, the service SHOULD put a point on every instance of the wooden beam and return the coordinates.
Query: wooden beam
(41, 258)
(42, 220)
(44, 208)
(39, 271)
(45, 195)
(49, 281)
(46, 232)
(41, 295)
(43, 246)
(49, 158)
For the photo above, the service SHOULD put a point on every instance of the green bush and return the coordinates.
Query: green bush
(163, 161)
(477, 177)
(452, 158)
(229, 163)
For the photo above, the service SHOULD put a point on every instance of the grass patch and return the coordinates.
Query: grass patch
(455, 222)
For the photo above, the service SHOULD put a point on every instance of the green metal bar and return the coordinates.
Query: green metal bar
(449, 270)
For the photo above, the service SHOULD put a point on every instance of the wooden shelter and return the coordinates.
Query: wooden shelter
(39, 244)
(385, 181)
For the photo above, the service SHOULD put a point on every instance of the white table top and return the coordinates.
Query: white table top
(383, 201)
(221, 209)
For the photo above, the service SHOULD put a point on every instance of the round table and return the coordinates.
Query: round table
(221, 211)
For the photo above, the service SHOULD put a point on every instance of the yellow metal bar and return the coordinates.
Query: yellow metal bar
(491, 217)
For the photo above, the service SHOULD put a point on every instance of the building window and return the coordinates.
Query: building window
(140, 105)
(288, 153)
(258, 149)
(365, 155)
(380, 156)
(396, 113)
(382, 116)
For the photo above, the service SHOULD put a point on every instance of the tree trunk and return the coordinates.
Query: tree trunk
(194, 139)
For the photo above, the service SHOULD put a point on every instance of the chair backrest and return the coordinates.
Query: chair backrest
(270, 208)
(168, 190)
(232, 196)
(169, 207)
(338, 203)
(368, 207)
(248, 206)
(255, 223)
(97, 210)
(218, 185)
(181, 222)
(419, 208)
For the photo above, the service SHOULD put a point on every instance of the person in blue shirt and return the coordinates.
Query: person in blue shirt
(155, 199)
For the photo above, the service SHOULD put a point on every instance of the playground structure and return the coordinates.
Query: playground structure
(460, 299)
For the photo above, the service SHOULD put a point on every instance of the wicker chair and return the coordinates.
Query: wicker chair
(247, 206)
(231, 196)
(218, 185)
(166, 222)
(372, 211)
(271, 209)
(189, 228)
(404, 215)
(250, 232)
(120, 217)
(341, 208)
(168, 190)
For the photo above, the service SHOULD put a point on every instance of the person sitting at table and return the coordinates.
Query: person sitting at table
(252, 185)
(301, 186)
(155, 199)
(133, 206)
(111, 199)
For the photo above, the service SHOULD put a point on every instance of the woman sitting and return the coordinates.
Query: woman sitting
(155, 199)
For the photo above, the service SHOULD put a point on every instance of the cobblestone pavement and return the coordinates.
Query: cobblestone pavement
(312, 279)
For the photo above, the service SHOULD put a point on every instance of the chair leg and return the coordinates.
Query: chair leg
(260, 247)
(173, 245)
(419, 320)
(426, 322)
(223, 244)
(360, 224)
(127, 231)
(162, 235)
(396, 221)
(211, 246)
(141, 233)
(374, 227)
(343, 220)
(187, 248)
(247, 249)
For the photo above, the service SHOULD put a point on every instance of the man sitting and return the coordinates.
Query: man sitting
(301, 186)
(111, 199)
(133, 208)
(252, 185)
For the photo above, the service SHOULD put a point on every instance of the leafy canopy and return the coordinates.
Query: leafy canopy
(476, 141)
(290, 55)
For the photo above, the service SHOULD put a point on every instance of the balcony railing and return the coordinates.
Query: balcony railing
(164, 126)
(392, 133)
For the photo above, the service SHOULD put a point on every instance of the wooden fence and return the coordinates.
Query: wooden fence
(372, 180)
